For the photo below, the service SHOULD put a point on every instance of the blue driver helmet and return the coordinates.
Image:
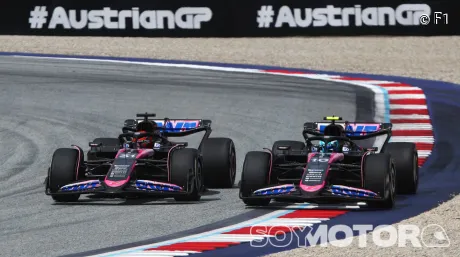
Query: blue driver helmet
(332, 146)
(321, 146)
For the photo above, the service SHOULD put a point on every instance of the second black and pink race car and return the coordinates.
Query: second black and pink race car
(121, 167)
(337, 162)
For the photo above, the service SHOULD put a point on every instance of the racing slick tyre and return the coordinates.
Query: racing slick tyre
(256, 169)
(64, 165)
(405, 157)
(185, 168)
(379, 177)
(295, 145)
(219, 162)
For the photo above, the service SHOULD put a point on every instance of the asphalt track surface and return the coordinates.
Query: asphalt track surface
(48, 104)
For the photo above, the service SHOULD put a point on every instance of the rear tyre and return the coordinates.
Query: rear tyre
(379, 177)
(294, 145)
(185, 171)
(63, 169)
(255, 176)
(405, 158)
(219, 162)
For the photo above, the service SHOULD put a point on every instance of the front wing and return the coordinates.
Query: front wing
(333, 192)
(139, 187)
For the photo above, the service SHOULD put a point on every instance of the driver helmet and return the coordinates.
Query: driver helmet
(146, 126)
(335, 131)
(332, 146)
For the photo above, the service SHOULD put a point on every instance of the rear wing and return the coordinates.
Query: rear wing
(173, 125)
(351, 128)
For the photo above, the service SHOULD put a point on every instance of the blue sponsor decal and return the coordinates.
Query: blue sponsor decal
(357, 129)
(179, 125)
(348, 191)
(278, 190)
(81, 186)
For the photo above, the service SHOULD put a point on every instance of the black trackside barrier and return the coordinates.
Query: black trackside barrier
(223, 18)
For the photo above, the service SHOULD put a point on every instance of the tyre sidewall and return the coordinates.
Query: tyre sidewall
(405, 158)
(255, 174)
(219, 162)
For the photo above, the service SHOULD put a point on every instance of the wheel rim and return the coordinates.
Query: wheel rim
(415, 163)
(393, 184)
(232, 164)
(390, 184)
(198, 176)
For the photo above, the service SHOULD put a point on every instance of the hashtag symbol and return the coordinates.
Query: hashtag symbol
(265, 16)
(38, 17)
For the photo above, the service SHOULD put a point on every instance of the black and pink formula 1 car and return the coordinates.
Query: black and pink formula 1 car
(122, 168)
(337, 162)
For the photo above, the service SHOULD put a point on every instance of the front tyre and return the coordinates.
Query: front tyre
(256, 169)
(405, 157)
(186, 172)
(379, 177)
(63, 171)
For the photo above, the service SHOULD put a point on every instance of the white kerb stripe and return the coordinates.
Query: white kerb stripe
(409, 116)
(305, 219)
(423, 153)
(231, 238)
(142, 254)
(409, 126)
(376, 82)
(412, 139)
(289, 220)
(306, 75)
(408, 106)
(406, 96)
(174, 252)
(404, 88)
(161, 253)
(289, 223)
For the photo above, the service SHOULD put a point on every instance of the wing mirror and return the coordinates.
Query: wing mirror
(182, 144)
(284, 147)
(92, 144)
